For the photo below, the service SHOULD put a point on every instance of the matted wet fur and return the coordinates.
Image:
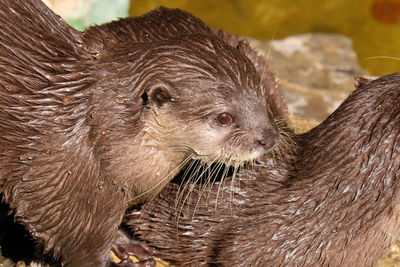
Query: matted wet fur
(338, 205)
(93, 122)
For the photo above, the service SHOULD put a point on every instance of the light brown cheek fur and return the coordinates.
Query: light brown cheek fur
(146, 164)
(206, 142)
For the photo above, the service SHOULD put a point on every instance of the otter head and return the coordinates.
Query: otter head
(205, 101)
(192, 97)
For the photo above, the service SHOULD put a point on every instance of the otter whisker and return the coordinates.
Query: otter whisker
(188, 190)
(252, 165)
(269, 50)
(184, 184)
(286, 140)
(210, 160)
(209, 180)
(201, 191)
(197, 174)
(204, 168)
(232, 190)
(218, 168)
(222, 182)
(190, 182)
(182, 189)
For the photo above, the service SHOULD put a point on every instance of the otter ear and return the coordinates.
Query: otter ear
(242, 46)
(363, 80)
(158, 95)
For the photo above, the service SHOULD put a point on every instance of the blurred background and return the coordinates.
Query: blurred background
(373, 25)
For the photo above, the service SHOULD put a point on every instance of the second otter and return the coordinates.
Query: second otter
(93, 122)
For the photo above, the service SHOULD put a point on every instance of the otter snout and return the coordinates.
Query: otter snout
(268, 139)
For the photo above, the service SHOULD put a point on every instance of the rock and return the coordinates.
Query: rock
(315, 71)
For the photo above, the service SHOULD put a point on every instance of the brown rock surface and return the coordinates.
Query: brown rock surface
(315, 71)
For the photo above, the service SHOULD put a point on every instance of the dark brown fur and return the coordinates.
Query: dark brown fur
(339, 205)
(93, 122)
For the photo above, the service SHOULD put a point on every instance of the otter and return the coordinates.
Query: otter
(94, 122)
(333, 202)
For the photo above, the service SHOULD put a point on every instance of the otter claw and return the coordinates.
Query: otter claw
(124, 246)
(147, 263)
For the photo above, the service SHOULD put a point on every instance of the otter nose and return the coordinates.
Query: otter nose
(268, 139)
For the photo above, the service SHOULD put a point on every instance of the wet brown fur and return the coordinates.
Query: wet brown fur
(93, 122)
(338, 204)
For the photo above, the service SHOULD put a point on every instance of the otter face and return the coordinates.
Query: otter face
(219, 124)
(174, 100)
(205, 100)
(239, 130)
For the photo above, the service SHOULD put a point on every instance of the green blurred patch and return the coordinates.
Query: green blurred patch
(82, 13)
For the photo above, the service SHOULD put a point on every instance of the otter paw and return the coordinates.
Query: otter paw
(125, 246)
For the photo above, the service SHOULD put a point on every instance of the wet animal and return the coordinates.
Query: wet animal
(94, 122)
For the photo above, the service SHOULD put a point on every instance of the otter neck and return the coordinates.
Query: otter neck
(154, 166)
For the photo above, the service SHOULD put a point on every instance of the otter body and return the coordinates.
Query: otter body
(338, 204)
(94, 122)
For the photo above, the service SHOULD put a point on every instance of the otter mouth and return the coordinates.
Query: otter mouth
(206, 169)
(226, 161)
(232, 160)
(236, 158)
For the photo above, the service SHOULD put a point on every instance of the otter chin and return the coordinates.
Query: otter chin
(94, 122)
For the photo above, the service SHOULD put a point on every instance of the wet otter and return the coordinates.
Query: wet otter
(93, 122)
(338, 204)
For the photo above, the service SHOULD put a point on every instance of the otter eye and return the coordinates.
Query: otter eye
(225, 119)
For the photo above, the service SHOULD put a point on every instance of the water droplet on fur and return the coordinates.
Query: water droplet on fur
(124, 188)
(25, 157)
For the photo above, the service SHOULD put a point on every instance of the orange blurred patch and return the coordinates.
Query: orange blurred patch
(386, 11)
